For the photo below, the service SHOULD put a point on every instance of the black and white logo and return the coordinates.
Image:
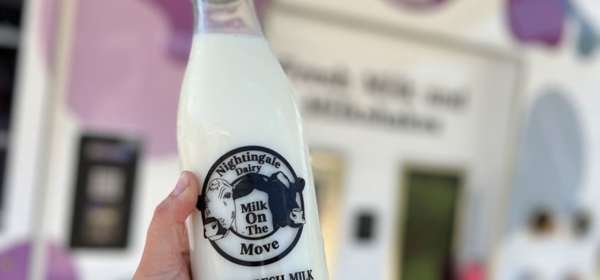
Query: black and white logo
(252, 206)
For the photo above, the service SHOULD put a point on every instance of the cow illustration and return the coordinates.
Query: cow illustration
(218, 203)
(219, 209)
(284, 196)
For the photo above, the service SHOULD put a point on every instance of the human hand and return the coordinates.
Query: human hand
(167, 253)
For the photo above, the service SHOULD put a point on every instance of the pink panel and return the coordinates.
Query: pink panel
(124, 78)
(15, 262)
(127, 63)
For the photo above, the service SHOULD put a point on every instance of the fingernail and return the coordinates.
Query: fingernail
(182, 184)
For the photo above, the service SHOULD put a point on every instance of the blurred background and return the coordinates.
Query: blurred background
(450, 139)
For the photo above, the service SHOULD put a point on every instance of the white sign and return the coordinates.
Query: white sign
(387, 98)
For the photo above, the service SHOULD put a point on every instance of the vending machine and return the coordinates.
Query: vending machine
(448, 138)
(396, 111)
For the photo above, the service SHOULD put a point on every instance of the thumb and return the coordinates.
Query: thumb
(166, 252)
(175, 209)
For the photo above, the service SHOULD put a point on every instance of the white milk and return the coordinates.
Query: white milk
(238, 117)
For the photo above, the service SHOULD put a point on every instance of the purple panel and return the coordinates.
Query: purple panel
(128, 62)
(122, 79)
(181, 21)
(14, 263)
(180, 17)
(537, 21)
(60, 264)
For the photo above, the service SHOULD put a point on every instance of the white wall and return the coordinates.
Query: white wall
(472, 140)
(26, 140)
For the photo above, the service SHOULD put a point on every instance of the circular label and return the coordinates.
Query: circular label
(252, 206)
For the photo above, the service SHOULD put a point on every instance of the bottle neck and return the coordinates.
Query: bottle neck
(227, 17)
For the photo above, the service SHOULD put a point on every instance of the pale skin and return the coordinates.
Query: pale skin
(167, 253)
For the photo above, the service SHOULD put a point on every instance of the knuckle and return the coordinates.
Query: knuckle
(162, 209)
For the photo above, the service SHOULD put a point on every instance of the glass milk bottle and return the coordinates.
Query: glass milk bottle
(240, 131)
